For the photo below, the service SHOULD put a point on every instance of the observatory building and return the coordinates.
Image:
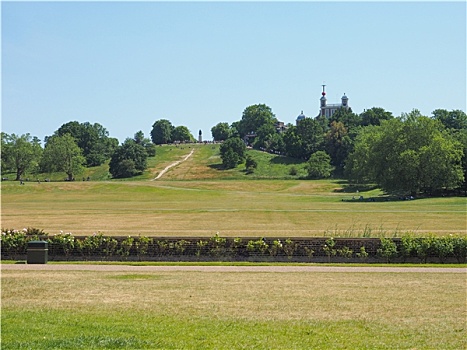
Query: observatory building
(326, 110)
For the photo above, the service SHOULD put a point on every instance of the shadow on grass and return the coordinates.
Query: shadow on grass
(285, 160)
(218, 167)
(352, 188)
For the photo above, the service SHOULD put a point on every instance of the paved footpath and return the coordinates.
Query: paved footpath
(281, 268)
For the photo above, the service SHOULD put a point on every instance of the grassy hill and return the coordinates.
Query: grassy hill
(198, 198)
(205, 163)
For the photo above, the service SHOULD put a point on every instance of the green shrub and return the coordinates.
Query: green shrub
(362, 254)
(424, 247)
(125, 247)
(217, 245)
(162, 247)
(180, 246)
(275, 248)
(63, 243)
(345, 252)
(200, 247)
(14, 242)
(90, 245)
(460, 248)
(255, 247)
(388, 249)
(329, 248)
(443, 247)
(309, 252)
(109, 246)
(142, 246)
(289, 248)
(408, 246)
(235, 246)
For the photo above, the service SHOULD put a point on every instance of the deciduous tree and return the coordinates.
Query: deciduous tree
(232, 152)
(409, 154)
(319, 165)
(220, 132)
(20, 153)
(182, 134)
(161, 132)
(61, 153)
(128, 160)
(254, 117)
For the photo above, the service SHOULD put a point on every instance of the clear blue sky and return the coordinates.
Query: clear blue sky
(127, 64)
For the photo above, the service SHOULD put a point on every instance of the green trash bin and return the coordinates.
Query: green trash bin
(37, 252)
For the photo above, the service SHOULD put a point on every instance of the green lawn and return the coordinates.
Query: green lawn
(234, 310)
(198, 198)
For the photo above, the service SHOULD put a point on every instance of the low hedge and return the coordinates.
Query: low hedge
(408, 248)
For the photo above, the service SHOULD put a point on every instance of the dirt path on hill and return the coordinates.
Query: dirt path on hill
(282, 268)
(173, 164)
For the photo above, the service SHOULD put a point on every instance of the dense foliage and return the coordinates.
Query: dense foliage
(164, 132)
(62, 154)
(128, 160)
(409, 154)
(232, 152)
(423, 249)
(93, 140)
(20, 154)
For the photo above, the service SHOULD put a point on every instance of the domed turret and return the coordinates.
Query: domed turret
(301, 116)
(345, 101)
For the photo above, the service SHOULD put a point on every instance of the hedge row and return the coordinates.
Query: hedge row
(408, 248)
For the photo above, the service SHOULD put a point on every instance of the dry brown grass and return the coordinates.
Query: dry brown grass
(232, 208)
(408, 299)
(225, 310)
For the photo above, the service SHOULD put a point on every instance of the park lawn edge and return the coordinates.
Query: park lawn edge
(227, 263)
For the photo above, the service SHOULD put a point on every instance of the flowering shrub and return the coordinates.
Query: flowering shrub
(62, 243)
(329, 249)
(142, 246)
(125, 247)
(259, 246)
(275, 248)
(14, 242)
(446, 248)
(109, 246)
(91, 245)
(217, 245)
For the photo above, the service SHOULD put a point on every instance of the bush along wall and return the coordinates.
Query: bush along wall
(98, 247)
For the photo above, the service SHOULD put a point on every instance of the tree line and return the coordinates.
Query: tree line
(408, 154)
(411, 153)
(74, 146)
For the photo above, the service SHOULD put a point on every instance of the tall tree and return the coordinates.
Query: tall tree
(293, 143)
(182, 134)
(93, 139)
(312, 136)
(232, 152)
(61, 153)
(254, 117)
(319, 165)
(338, 145)
(128, 160)
(145, 142)
(409, 154)
(220, 132)
(455, 119)
(374, 116)
(346, 117)
(20, 153)
(161, 132)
